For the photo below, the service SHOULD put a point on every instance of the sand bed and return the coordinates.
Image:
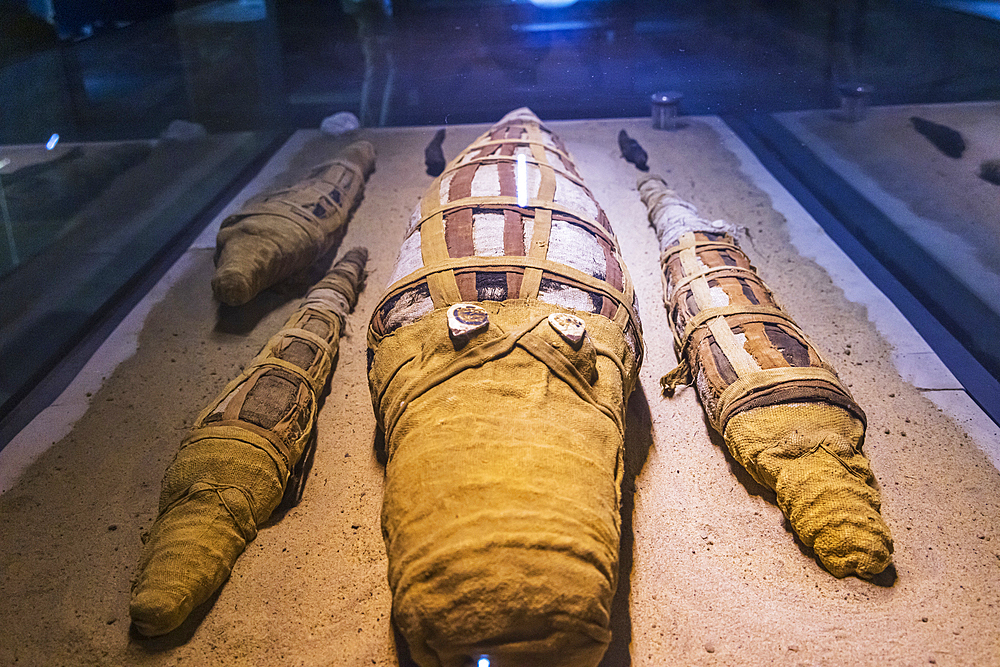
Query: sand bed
(711, 573)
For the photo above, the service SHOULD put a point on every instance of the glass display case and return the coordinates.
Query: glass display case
(854, 143)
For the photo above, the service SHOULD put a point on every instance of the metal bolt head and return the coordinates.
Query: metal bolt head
(669, 97)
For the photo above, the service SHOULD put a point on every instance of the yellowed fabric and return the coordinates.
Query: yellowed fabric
(810, 455)
(275, 236)
(230, 473)
(782, 410)
(501, 506)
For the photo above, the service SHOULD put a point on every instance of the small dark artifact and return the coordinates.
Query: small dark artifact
(434, 156)
(990, 171)
(947, 140)
(232, 470)
(632, 151)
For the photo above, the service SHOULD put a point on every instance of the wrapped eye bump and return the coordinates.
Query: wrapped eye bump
(570, 327)
(465, 319)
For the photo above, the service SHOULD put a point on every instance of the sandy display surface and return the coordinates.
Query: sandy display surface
(711, 574)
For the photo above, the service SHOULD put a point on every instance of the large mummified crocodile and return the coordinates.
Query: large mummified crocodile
(281, 233)
(782, 410)
(231, 471)
(501, 357)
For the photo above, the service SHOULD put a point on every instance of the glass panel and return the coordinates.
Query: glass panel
(160, 106)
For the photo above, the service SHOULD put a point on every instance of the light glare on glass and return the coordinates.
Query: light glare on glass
(484, 661)
(53, 140)
(553, 4)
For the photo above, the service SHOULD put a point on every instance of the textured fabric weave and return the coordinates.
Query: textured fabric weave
(280, 233)
(810, 455)
(500, 512)
(504, 447)
(231, 471)
(476, 198)
(783, 411)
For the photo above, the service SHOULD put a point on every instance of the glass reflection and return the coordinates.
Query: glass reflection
(109, 80)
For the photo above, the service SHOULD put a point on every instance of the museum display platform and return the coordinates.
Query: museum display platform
(711, 574)
(921, 223)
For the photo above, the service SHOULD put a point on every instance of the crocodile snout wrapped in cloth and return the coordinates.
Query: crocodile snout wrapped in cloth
(282, 232)
(232, 470)
(501, 358)
(784, 413)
